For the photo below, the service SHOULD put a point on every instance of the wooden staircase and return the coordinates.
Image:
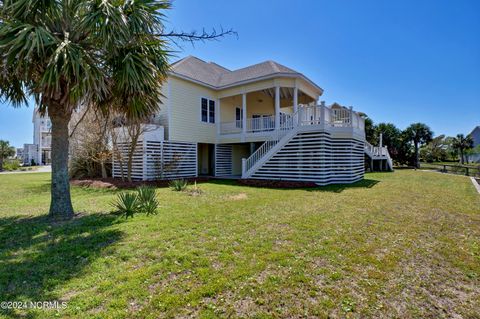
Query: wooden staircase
(316, 144)
(378, 155)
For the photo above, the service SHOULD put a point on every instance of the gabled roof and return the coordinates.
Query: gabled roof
(475, 130)
(219, 77)
(475, 134)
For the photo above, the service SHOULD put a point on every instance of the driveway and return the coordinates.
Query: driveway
(38, 169)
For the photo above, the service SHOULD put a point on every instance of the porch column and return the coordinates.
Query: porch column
(244, 113)
(218, 117)
(277, 107)
(295, 99)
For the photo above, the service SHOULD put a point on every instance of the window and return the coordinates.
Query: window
(208, 110)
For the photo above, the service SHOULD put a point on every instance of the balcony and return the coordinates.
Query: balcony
(318, 115)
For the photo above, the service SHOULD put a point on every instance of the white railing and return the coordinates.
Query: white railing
(247, 163)
(378, 152)
(261, 124)
(287, 123)
(306, 115)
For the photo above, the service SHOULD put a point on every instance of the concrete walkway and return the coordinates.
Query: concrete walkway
(475, 183)
(38, 169)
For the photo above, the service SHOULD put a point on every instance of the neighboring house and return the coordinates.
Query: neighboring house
(30, 154)
(19, 154)
(475, 134)
(260, 122)
(42, 137)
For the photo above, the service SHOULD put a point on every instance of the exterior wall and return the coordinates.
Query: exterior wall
(161, 118)
(476, 136)
(239, 151)
(257, 103)
(185, 112)
(203, 158)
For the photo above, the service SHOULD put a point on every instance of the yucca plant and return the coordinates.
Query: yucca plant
(147, 200)
(178, 185)
(127, 204)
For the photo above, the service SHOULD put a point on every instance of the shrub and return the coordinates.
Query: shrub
(127, 204)
(147, 200)
(178, 185)
(11, 165)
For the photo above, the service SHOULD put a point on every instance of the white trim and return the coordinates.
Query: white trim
(169, 107)
(244, 113)
(277, 107)
(265, 77)
(208, 110)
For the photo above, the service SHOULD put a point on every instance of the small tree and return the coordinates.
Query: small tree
(462, 144)
(418, 134)
(5, 151)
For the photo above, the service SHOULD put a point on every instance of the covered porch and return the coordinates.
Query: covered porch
(259, 111)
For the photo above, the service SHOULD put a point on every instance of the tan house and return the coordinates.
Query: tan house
(262, 121)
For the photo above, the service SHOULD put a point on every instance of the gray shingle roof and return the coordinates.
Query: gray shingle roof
(217, 76)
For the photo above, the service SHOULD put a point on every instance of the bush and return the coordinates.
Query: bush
(147, 198)
(178, 185)
(11, 165)
(127, 204)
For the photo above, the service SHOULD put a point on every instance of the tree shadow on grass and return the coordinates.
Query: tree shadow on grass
(335, 188)
(338, 188)
(37, 256)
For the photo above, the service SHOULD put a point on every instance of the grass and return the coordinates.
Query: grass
(403, 244)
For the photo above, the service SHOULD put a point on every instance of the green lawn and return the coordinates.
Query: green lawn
(403, 244)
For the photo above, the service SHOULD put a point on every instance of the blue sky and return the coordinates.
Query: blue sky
(397, 61)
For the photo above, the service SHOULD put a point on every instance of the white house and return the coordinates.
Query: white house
(39, 152)
(260, 122)
(30, 154)
(42, 138)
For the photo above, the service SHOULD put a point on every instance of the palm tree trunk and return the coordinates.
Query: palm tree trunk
(61, 204)
(417, 157)
(461, 156)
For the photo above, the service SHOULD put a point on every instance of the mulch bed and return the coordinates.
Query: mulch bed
(114, 183)
(275, 184)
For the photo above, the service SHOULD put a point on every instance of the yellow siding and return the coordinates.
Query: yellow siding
(180, 114)
(257, 103)
(239, 151)
(185, 108)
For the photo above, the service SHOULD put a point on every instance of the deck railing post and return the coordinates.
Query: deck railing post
(351, 116)
(322, 114)
(244, 166)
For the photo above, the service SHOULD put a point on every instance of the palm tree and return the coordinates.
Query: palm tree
(73, 53)
(419, 134)
(461, 144)
(5, 151)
